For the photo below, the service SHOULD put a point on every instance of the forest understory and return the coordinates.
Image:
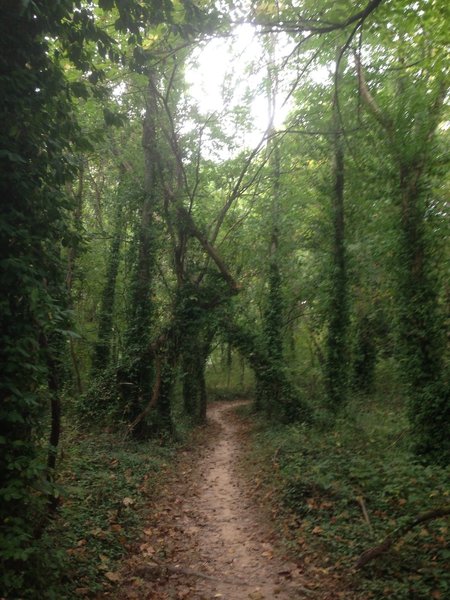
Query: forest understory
(237, 511)
(204, 201)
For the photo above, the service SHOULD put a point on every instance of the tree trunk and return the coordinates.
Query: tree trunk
(71, 260)
(102, 347)
(421, 327)
(420, 322)
(137, 370)
(337, 352)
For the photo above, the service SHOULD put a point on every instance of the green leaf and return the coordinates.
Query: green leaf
(106, 4)
(79, 89)
(12, 156)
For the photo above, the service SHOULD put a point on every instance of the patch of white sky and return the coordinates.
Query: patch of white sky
(227, 73)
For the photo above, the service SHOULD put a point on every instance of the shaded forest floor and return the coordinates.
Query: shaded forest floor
(244, 508)
(210, 534)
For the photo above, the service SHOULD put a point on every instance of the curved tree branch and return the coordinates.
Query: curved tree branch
(315, 26)
(383, 119)
(387, 543)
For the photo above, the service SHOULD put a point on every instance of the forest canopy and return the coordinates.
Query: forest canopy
(206, 200)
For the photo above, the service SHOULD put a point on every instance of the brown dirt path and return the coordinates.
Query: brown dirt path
(207, 538)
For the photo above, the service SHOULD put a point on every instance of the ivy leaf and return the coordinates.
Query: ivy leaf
(12, 156)
(112, 119)
(79, 90)
(106, 4)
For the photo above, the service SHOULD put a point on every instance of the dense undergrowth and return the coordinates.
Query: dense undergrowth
(341, 491)
(105, 483)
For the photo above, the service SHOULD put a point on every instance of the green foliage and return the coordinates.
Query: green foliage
(228, 376)
(324, 478)
(275, 394)
(36, 145)
(137, 242)
(102, 402)
(105, 485)
(365, 355)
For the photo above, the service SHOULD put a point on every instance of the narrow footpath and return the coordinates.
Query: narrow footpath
(207, 538)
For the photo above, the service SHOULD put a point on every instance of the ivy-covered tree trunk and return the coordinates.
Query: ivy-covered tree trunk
(77, 198)
(163, 423)
(194, 384)
(273, 336)
(421, 325)
(37, 134)
(190, 383)
(102, 348)
(365, 354)
(253, 348)
(195, 326)
(136, 374)
(53, 348)
(337, 352)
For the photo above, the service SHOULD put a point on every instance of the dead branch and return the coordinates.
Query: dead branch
(153, 399)
(319, 27)
(400, 532)
(362, 504)
(369, 100)
(209, 248)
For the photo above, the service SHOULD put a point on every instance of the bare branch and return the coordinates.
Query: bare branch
(374, 552)
(369, 100)
(208, 247)
(237, 189)
(319, 27)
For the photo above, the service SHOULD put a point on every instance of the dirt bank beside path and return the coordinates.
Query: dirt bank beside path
(207, 538)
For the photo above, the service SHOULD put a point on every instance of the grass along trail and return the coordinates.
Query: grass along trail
(208, 538)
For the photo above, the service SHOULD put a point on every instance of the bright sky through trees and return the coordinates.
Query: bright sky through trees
(225, 72)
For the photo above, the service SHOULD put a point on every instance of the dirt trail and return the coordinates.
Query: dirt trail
(208, 539)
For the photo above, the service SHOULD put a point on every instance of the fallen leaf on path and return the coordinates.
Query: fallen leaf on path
(183, 592)
(111, 576)
(256, 596)
(147, 549)
(99, 533)
(285, 573)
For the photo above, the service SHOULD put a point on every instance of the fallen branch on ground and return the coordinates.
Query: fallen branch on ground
(393, 537)
(362, 504)
(153, 399)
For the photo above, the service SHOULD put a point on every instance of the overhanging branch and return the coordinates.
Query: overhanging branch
(319, 27)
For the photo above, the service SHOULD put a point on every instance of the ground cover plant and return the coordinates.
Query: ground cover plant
(106, 481)
(339, 493)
